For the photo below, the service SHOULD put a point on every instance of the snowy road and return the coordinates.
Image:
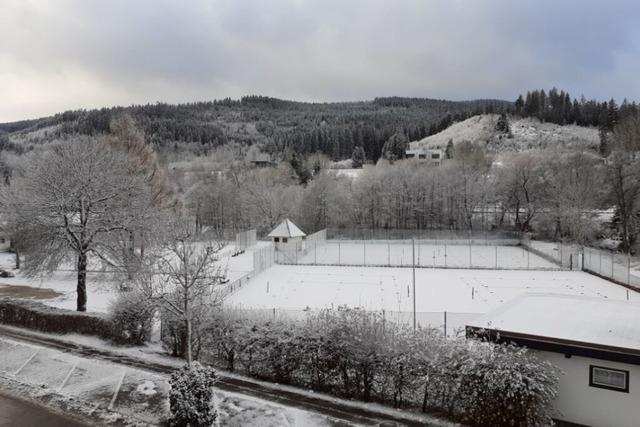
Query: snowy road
(240, 401)
(15, 412)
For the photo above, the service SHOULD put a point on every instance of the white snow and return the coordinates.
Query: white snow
(102, 288)
(569, 317)
(462, 293)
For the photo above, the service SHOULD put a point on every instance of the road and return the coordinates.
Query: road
(14, 412)
(343, 412)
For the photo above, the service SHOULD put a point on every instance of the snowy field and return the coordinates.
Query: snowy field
(462, 293)
(427, 254)
(59, 289)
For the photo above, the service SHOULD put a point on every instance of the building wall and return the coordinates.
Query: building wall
(4, 243)
(580, 403)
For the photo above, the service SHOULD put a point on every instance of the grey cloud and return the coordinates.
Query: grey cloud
(159, 50)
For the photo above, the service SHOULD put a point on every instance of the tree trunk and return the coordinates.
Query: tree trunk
(188, 344)
(82, 282)
(17, 252)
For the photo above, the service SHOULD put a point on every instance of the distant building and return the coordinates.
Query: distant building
(262, 160)
(287, 236)
(594, 341)
(433, 156)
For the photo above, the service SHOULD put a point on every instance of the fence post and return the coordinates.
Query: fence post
(414, 283)
(445, 255)
(364, 249)
(496, 256)
(628, 269)
(600, 268)
(339, 240)
(445, 324)
(613, 255)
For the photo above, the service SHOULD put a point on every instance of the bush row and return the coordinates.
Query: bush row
(40, 317)
(357, 354)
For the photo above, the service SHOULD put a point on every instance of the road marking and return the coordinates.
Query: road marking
(115, 394)
(64, 382)
(25, 363)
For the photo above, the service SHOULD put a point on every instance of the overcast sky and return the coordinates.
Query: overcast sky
(69, 54)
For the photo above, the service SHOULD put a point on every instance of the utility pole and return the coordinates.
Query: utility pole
(413, 246)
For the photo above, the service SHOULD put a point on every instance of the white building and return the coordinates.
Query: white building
(432, 156)
(594, 341)
(287, 236)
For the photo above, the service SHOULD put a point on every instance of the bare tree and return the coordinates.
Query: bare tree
(183, 279)
(69, 203)
(623, 174)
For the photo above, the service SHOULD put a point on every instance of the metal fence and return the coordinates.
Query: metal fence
(567, 256)
(478, 237)
(504, 254)
(451, 324)
(611, 265)
(263, 258)
(245, 239)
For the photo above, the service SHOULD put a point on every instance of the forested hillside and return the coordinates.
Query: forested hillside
(279, 126)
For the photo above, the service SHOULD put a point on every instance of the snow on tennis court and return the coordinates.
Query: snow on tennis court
(425, 254)
(461, 291)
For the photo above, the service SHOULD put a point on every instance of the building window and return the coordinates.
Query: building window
(284, 240)
(422, 156)
(435, 155)
(410, 155)
(276, 239)
(610, 379)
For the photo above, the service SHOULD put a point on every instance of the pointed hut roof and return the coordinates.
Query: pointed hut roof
(287, 229)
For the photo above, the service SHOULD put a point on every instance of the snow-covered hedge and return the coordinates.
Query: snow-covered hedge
(35, 315)
(131, 314)
(191, 394)
(351, 353)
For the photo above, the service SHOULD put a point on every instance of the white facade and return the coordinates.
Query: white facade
(594, 341)
(580, 403)
(288, 237)
(433, 156)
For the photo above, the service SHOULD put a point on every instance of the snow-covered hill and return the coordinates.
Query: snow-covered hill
(527, 133)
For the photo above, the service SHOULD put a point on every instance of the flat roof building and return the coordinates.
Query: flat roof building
(594, 341)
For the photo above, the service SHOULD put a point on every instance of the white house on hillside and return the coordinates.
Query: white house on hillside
(594, 341)
(287, 236)
(433, 156)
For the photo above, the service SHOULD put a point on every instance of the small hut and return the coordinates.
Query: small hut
(287, 235)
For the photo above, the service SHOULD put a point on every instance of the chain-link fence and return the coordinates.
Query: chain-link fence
(567, 256)
(611, 265)
(428, 253)
(449, 323)
(245, 239)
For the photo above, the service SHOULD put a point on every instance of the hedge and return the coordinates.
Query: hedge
(35, 315)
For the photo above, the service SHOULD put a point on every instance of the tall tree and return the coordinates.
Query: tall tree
(358, 157)
(70, 202)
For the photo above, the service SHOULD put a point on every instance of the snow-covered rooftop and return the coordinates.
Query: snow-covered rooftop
(287, 229)
(579, 319)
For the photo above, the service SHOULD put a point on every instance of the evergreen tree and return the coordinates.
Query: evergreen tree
(448, 152)
(395, 147)
(519, 105)
(358, 157)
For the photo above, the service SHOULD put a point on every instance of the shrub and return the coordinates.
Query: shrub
(190, 397)
(353, 353)
(132, 315)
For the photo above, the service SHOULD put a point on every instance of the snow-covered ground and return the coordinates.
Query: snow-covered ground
(426, 254)
(462, 293)
(59, 289)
